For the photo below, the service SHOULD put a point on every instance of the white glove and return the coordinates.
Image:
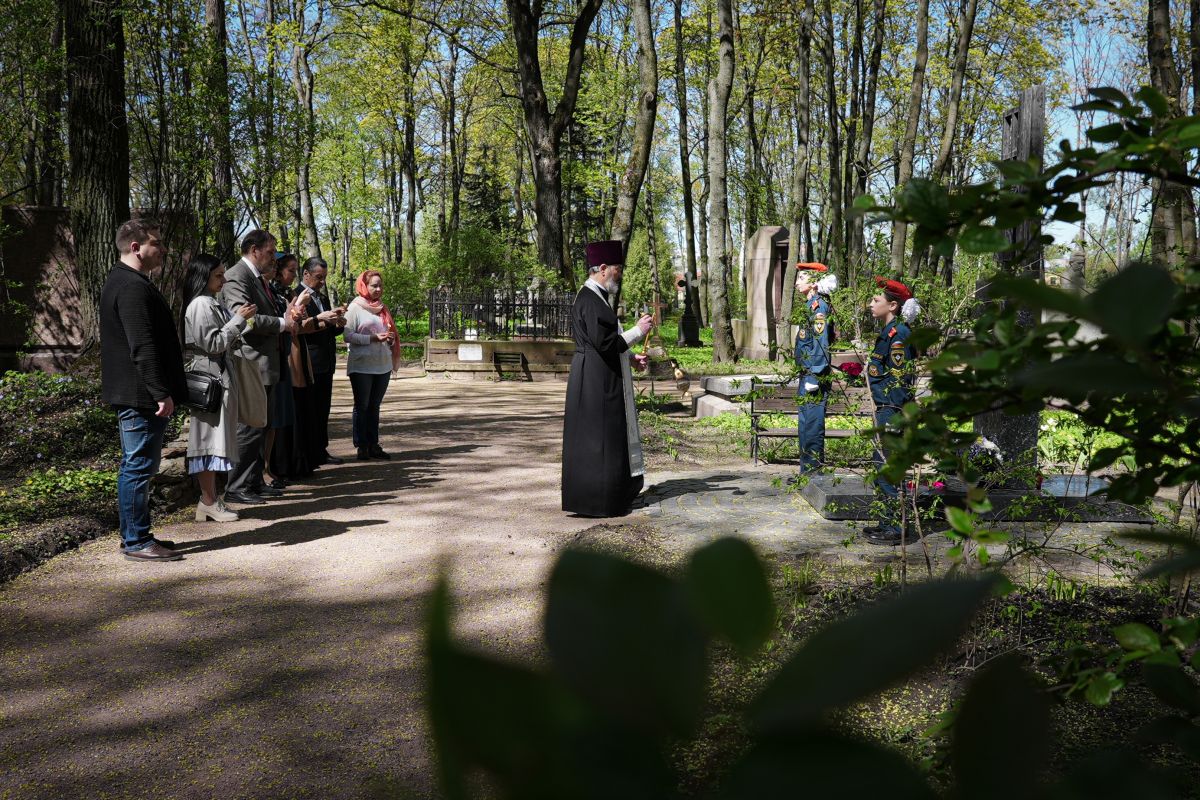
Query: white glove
(810, 387)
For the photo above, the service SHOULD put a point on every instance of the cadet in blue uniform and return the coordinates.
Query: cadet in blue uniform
(815, 283)
(890, 376)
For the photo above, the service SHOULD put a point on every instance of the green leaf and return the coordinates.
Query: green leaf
(1135, 303)
(1173, 687)
(1002, 704)
(625, 637)
(982, 239)
(865, 202)
(1176, 731)
(1106, 133)
(960, 520)
(868, 652)
(926, 202)
(1077, 375)
(728, 590)
(1153, 100)
(1136, 636)
(1039, 295)
(1109, 93)
(1113, 774)
(822, 766)
(1102, 687)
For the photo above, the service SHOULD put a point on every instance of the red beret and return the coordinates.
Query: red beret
(608, 252)
(815, 266)
(894, 288)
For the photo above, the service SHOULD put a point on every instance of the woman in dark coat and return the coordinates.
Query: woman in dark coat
(602, 468)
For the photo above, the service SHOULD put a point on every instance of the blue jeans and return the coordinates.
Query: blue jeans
(889, 517)
(368, 397)
(141, 449)
(810, 422)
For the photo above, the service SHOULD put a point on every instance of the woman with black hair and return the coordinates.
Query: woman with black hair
(210, 335)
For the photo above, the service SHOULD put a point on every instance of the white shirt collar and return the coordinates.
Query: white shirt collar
(253, 269)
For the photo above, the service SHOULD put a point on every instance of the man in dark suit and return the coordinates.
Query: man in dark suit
(245, 282)
(141, 375)
(319, 333)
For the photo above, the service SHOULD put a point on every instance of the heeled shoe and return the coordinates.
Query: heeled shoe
(217, 512)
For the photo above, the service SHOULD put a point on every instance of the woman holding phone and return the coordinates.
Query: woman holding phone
(374, 355)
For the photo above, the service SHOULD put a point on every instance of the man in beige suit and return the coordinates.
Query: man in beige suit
(248, 281)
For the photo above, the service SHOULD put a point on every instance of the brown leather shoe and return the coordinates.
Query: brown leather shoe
(154, 552)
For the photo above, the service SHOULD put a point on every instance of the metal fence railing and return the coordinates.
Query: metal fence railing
(499, 315)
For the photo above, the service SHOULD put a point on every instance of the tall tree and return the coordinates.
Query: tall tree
(544, 129)
(800, 172)
(904, 167)
(308, 33)
(862, 155)
(685, 168)
(98, 142)
(222, 156)
(1173, 219)
(718, 266)
(643, 129)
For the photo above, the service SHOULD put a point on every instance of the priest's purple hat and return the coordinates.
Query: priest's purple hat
(605, 253)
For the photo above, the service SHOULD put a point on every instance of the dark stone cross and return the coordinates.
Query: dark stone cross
(1023, 135)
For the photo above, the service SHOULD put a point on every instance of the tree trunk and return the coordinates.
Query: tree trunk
(862, 158)
(905, 167)
(836, 254)
(643, 128)
(1167, 230)
(966, 27)
(222, 156)
(718, 200)
(302, 82)
(685, 169)
(98, 143)
(800, 170)
(545, 130)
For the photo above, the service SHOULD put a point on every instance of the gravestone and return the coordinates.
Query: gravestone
(767, 258)
(40, 286)
(1023, 133)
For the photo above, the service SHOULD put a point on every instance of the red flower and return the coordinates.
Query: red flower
(851, 368)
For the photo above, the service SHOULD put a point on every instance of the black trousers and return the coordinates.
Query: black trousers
(322, 399)
(247, 472)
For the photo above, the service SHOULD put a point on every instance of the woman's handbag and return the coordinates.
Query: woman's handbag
(251, 394)
(204, 392)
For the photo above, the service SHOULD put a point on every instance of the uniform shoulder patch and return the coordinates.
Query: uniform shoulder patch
(897, 345)
(815, 303)
(891, 333)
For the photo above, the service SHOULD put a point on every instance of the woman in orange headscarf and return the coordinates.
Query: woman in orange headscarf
(374, 355)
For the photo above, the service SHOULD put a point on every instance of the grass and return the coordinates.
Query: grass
(699, 360)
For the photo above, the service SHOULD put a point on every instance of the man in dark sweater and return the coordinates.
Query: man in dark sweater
(141, 366)
(319, 333)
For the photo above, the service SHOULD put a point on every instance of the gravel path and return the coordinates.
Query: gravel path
(281, 657)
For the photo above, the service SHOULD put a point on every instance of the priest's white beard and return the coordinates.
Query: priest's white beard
(611, 286)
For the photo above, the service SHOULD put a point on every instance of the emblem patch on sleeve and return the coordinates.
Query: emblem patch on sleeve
(873, 370)
(819, 324)
(803, 334)
(897, 356)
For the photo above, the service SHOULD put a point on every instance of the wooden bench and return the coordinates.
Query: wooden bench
(767, 397)
(513, 363)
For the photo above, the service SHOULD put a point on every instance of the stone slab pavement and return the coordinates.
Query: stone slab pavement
(282, 656)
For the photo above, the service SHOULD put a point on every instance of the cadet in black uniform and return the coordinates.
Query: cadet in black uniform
(815, 283)
(890, 376)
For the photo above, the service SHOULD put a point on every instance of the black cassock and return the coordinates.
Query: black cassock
(598, 479)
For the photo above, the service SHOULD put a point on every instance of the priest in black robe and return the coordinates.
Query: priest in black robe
(602, 467)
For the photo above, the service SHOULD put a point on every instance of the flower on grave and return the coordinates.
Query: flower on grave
(851, 368)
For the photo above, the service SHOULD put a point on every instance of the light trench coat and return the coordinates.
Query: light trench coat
(209, 331)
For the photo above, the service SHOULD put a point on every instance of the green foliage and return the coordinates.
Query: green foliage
(48, 493)
(53, 419)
